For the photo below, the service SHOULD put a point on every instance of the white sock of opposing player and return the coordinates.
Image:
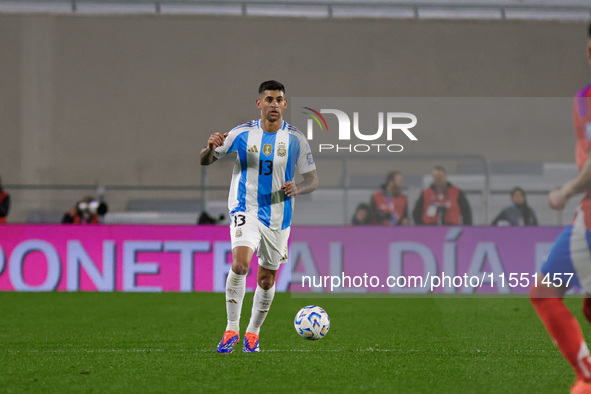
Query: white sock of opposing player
(235, 289)
(260, 307)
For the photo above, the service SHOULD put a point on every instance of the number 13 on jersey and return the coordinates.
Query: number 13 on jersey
(268, 167)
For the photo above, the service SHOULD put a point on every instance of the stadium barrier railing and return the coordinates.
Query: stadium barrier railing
(487, 9)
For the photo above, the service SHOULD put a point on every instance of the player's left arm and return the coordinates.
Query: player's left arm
(308, 185)
(581, 182)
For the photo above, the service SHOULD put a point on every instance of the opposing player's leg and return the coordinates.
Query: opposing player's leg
(548, 302)
(581, 386)
(272, 253)
(245, 238)
(563, 328)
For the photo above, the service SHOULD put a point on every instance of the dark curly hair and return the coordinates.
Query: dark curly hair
(271, 85)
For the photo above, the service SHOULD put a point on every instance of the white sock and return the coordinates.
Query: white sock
(260, 307)
(235, 289)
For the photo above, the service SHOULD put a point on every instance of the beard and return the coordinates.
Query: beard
(272, 117)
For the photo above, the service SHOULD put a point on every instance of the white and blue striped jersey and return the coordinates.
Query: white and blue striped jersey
(265, 161)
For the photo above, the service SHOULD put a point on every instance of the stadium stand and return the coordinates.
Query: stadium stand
(41, 130)
(335, 205)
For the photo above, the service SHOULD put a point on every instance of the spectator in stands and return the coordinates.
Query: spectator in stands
(86, 211)
(362, 216)
(389, 206)
(442, 203)
(206, 218)
(519, 213)
(4, 204)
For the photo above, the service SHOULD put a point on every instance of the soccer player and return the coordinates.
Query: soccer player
(261, 204)
(571, 253)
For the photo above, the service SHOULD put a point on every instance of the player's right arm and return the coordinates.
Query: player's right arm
(559, 198)
(214, 141)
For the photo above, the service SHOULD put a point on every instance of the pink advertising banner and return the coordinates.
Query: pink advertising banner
(419, 259)
(322, 259)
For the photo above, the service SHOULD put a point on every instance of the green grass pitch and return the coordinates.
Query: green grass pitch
(121, 342)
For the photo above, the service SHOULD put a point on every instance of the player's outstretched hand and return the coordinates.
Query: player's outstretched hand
(557, 199)
(290, 188)
(215, 140)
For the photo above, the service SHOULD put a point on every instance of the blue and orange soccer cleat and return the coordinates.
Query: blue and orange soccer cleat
(229, 340)
(251, 343)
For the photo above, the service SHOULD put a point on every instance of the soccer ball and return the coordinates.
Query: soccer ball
(312, 322)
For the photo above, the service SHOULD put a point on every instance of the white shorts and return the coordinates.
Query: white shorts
(270, 245)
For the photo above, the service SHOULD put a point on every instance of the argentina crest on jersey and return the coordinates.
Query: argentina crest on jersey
(281, 150)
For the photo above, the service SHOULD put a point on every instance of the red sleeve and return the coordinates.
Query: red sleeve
(582, 124)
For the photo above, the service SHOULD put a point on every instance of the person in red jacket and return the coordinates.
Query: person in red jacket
(4, 204)
(81, 214)
(442, 203)
(389, 205)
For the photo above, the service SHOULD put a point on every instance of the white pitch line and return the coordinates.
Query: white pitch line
(212, 350)
(334, 350)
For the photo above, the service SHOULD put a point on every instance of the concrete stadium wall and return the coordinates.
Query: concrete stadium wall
(131, 99)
